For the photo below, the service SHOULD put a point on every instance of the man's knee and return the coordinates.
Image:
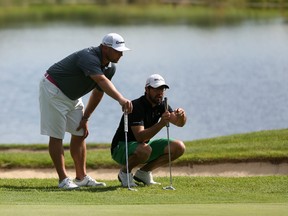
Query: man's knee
(177, 148)
(55, 141)
(143, 152)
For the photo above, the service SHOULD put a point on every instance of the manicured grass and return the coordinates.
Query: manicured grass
(269, 146)
(144, 210)
(189, 190)
(263, 195)
(193, 196)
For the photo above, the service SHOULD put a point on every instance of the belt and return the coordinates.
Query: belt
(48, 77)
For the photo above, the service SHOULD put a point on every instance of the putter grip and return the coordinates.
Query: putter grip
(166, 107)
(166, 103)
(125, 122)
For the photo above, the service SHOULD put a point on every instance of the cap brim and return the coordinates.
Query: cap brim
(166, 86)
(157, 86)
(121, 49)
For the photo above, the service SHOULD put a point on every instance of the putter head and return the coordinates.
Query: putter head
(169, 188)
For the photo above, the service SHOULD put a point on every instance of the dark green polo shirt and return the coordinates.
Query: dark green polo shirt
(72, 74)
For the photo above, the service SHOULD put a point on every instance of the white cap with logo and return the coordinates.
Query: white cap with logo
(155, 81)
(115, 41)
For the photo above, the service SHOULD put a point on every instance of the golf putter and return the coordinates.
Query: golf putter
(170, 187)
(126, 150)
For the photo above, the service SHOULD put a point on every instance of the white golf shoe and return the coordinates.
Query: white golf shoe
(122, 177)
(68, 184)
(87, 181)
(145, 177)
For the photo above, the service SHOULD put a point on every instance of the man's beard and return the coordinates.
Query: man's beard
(156, 100)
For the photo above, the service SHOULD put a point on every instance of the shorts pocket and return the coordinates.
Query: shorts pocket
(52, 91)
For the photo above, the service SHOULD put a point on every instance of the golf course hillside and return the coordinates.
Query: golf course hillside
(263, 146)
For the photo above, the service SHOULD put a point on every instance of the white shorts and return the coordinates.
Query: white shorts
(59, 114)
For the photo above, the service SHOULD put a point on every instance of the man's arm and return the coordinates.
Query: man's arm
(142, 135)
(93, 102)
(95, 98)
(178, 117)
(108, 87)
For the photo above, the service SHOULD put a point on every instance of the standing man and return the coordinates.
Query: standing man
(143, 125)
(62, 109)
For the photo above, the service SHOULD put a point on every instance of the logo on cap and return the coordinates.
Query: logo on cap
(115, 41)
(155, 81)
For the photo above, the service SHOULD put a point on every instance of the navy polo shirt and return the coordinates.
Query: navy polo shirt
(143, 114)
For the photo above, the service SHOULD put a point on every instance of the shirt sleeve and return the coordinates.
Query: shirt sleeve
(136, 118)
(109, 73)
(90, 64)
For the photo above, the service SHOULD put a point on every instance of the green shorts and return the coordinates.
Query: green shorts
(157, 145)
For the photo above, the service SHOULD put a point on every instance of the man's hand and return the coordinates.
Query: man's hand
(83, 125)
(180, 117)
(165, 118)
(180, 113)
(126, 105)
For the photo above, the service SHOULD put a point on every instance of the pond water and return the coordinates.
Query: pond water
(228, 79)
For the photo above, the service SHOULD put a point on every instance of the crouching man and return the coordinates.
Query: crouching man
(148, 117)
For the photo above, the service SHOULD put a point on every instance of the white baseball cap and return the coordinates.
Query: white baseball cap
(115, 41)
(155, 81)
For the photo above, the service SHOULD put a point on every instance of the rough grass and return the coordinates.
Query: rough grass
(135, 14)
(270, 145)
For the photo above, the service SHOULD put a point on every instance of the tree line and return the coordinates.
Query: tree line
(206, 3)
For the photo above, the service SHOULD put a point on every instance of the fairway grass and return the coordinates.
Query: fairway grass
(255, 209)
(265, 195)
(233, 196)
(189, 190)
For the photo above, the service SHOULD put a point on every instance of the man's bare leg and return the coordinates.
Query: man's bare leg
(78, 153)
(56, 152)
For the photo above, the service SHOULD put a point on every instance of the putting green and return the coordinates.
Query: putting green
(262, 209)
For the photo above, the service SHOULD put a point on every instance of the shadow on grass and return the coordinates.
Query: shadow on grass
(56, 189)
(100, 189)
